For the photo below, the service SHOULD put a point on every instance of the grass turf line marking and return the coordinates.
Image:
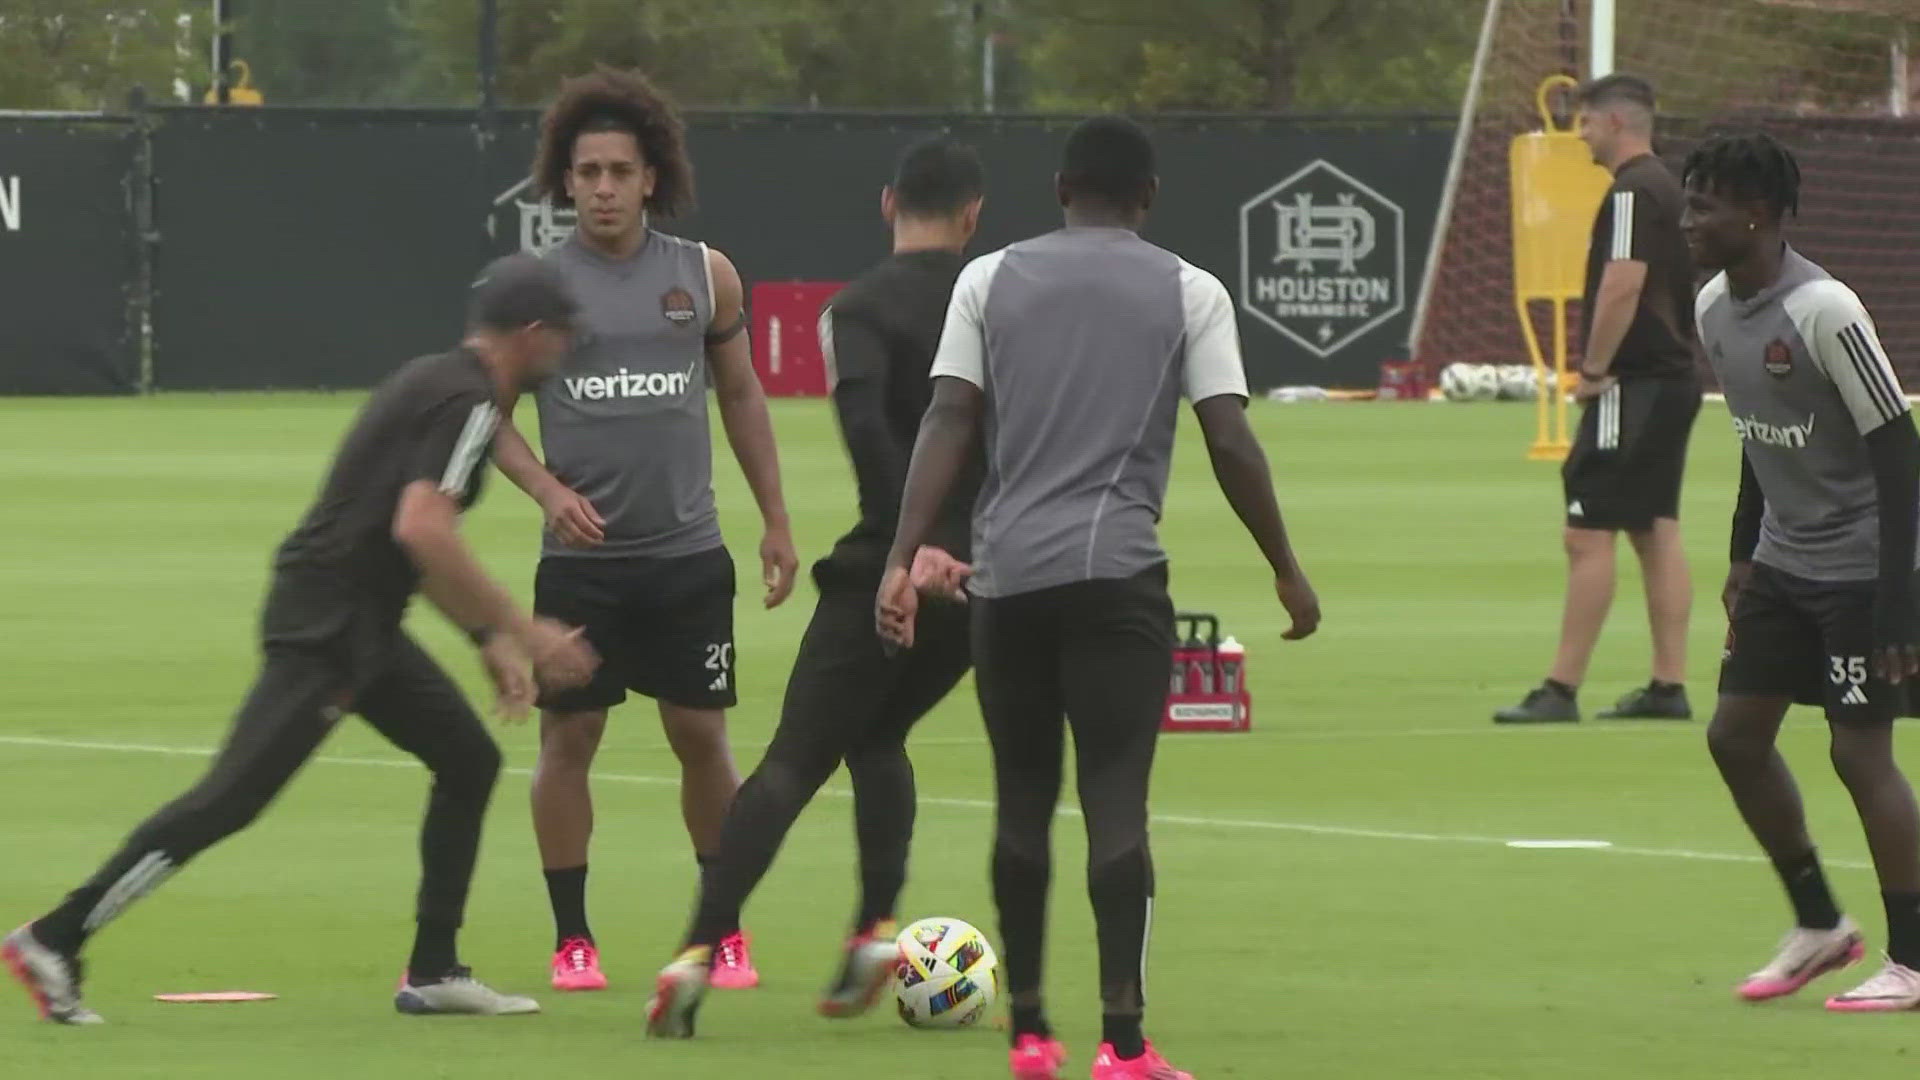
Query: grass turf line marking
(1304, 828)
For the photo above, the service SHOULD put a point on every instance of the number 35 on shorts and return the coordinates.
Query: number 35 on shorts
(720, 662)
(1847, 670)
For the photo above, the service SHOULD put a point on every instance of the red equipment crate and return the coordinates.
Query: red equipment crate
(786, 337)
(1404, 381)
(1208, 688)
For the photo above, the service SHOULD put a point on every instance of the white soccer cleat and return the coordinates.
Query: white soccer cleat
(1804, 956)
(53, 978)
(460, 994)
(1896, 988)
(677, 993)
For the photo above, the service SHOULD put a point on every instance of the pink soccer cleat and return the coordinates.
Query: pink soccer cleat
(677, 994)
(868, 967)
(1148, 1066)
(576, 966)
(1037, 1058)
(1896, 988)
(1804, 956)
(733, 964)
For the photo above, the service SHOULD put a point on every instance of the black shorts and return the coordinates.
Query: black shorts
(663, 627)
(1629, 454)
(1093, 652)
(1811, 641)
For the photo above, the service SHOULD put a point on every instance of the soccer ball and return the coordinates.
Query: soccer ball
(1456, 382)
(948, 976)
(1470, 382)
(1517, 382)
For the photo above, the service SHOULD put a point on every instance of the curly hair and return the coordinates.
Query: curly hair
(608, 99)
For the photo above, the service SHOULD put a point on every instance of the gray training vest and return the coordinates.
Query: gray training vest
(624, 421)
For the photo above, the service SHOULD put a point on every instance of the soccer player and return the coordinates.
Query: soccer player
(633, 550)
(1640, 394)
(1069, 354)
(384, 525)
(1819, 591)
(847, 698)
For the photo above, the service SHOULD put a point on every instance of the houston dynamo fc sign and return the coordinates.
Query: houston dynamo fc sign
(1322, 258)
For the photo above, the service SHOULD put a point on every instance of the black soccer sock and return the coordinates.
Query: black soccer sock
(1806, 884)
(567, 891)
(1030, 1020)
(1659, 687)
(1903, 928)
(728, 923)
(1565, 691)
(1121, 888)
(883, 817)
(434, 954)
(1123, 1034)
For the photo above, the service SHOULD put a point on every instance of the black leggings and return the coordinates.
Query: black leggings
(293, 705)
(847, 700)
(1093, 655)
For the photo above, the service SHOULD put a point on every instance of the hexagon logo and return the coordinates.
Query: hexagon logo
(1322, 258)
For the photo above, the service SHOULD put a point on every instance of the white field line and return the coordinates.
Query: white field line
(1185, 820)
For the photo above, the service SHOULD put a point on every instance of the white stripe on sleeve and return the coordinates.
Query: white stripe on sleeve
(1622, 225)
(472, 445)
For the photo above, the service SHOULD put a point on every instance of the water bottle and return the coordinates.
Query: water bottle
(1233, 665)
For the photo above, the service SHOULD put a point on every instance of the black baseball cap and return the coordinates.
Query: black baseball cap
(517, 290)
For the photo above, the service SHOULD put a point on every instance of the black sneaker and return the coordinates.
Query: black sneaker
(1543, 704)
(1651, 703)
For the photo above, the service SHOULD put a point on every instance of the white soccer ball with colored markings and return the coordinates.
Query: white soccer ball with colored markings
(948, 976)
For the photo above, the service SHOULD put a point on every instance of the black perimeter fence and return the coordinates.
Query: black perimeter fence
(185, 248)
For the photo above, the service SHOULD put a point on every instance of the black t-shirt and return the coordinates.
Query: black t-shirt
(434, 419)
(1640, 221)
(879, 336)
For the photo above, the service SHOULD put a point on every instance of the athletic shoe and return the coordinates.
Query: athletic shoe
(1651, 703)
(1543, 705)
(1036, 1058)
(1804, 956)
(1148, 1066)
(1895, 989)
(733, 964)
(459, 994)
(576, 966)
(51, 976)
(870, 961)
(677, 993)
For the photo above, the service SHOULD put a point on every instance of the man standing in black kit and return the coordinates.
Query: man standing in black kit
(1641, 396)
(385, 525)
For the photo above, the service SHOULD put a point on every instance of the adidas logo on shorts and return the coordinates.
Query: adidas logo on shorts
(1855, 695)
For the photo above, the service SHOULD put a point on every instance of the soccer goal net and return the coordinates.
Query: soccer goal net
(1833, 79)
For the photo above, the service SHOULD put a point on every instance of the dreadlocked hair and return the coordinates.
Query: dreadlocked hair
(608, 99)
(1750, 165)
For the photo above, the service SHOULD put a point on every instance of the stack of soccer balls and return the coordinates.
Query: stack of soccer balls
(1489, 382)
(948, 976)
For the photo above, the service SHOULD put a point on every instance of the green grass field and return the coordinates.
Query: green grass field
(1336, 896)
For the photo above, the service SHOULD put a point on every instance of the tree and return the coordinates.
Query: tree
(711, 54)
(342, 52)
(1246, 55)
(86, 54)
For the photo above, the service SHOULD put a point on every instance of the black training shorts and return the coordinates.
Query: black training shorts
(1629, 454)
(663, 627)
(1811, 641)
